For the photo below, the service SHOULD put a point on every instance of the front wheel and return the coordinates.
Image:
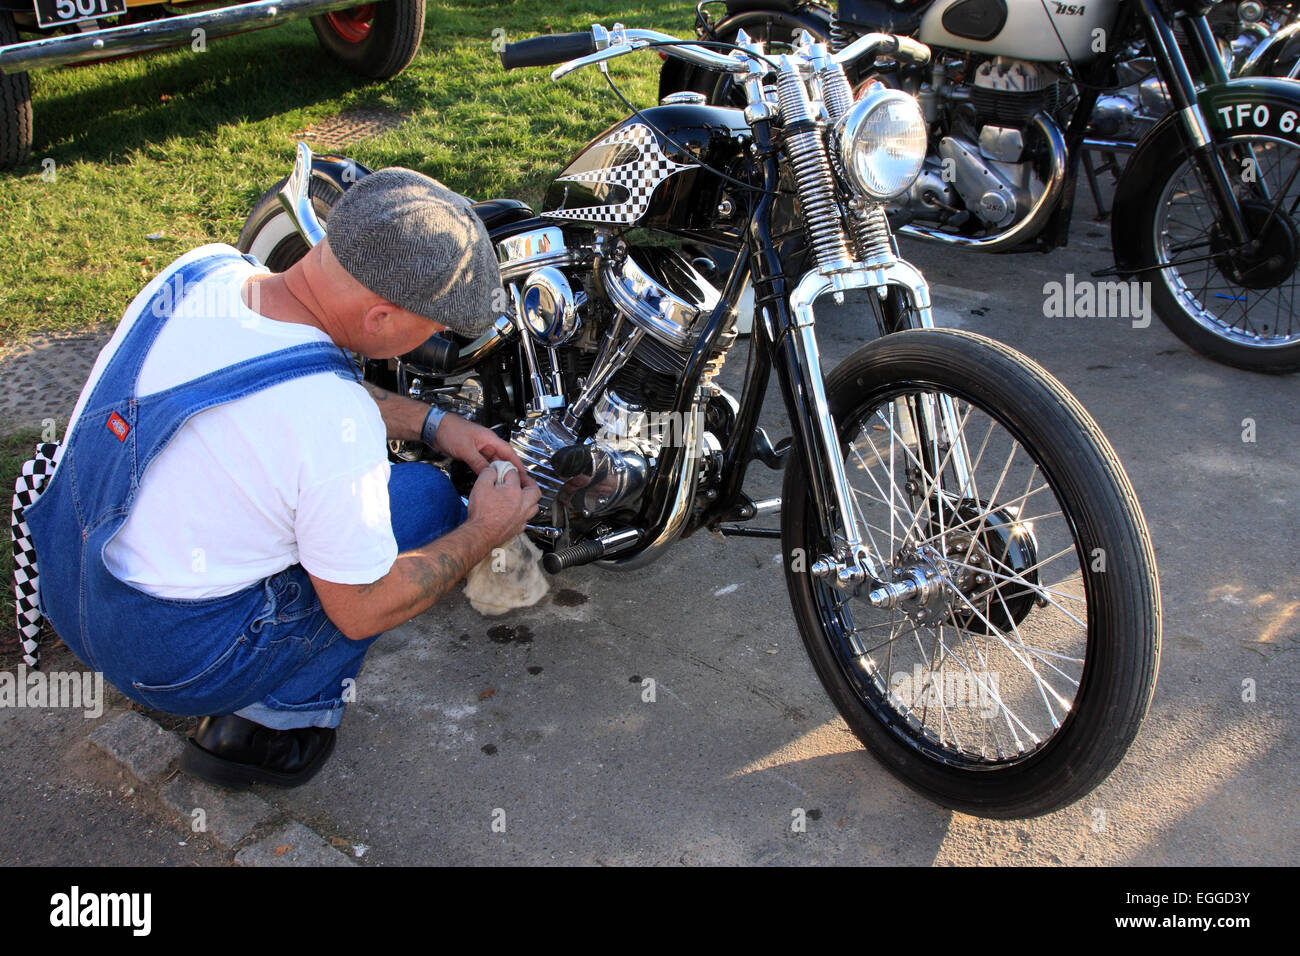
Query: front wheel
(1015, 680)
(374, 40)
(1235, 305)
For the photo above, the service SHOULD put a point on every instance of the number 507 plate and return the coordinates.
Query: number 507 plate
(53, 13)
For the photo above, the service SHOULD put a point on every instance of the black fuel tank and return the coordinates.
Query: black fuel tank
(634, 174)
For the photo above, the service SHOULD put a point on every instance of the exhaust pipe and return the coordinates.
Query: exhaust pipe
(1027, 228)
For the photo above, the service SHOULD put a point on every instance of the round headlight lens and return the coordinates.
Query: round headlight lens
(882, 143)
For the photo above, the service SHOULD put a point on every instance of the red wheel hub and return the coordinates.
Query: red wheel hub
(352, 25)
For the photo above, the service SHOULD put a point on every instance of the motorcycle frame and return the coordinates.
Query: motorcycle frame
(784, 337)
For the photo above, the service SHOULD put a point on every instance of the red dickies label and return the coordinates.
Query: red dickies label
(118, 426)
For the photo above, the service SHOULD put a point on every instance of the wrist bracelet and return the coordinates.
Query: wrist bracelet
(430, 426)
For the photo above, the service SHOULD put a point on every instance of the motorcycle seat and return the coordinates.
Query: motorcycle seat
(502, 212)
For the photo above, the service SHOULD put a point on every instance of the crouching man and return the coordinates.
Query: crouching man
(224, 535)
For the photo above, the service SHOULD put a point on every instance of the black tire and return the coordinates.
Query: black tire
(385, 47)
(1120, 643)
(269, 233)
(1200, 303)
(15, 105)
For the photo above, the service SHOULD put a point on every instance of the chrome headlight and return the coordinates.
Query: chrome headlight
(882, 142)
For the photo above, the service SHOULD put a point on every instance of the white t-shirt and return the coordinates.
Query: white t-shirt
(295, 473)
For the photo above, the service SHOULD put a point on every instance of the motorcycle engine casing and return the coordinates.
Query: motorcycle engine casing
(602, 464)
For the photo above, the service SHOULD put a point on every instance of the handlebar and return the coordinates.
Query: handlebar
(548, 50)
(576, 50)
(884, 44)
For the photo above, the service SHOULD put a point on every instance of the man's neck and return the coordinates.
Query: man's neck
(271, 297)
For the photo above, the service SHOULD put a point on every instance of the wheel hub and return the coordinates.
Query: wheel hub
(990, 561)
(1269, 259)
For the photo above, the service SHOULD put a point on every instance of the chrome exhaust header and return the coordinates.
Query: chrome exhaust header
(1025, 229)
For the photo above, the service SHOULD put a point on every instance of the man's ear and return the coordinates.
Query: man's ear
(378, 317)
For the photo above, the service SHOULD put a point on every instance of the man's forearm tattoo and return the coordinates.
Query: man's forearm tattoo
(433, 576)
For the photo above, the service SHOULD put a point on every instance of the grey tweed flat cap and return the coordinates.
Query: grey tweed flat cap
(412, 240)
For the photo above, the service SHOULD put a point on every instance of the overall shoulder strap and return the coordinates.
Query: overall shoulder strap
(123, 370)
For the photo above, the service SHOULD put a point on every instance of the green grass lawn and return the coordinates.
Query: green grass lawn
(183, 143)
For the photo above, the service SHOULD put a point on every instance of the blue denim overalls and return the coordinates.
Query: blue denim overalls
(267, 652)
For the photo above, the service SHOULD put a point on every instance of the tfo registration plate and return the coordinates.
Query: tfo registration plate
(53, 13)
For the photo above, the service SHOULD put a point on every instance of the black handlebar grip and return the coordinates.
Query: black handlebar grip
(547, 50)
(438, 354)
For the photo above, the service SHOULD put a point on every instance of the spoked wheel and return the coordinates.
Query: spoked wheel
(1234, 304)
(1006, 657)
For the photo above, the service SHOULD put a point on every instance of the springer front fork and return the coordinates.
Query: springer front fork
(854, 250)
(851, 562)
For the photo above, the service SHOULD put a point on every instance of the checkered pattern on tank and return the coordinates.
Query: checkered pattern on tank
(640, 178)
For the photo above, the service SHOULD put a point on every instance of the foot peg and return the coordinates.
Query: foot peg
(762, 449)
(585, 552)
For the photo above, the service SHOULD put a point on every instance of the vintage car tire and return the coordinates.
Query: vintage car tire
(15, 106)
(376, 40)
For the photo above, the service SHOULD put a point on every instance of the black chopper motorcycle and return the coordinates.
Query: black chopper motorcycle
(967, 562)
(1020, 91)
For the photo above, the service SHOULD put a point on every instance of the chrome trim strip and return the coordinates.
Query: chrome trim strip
(138, 37)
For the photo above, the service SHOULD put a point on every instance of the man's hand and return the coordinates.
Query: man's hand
(478, 447)
(501, 510)
(421, 577)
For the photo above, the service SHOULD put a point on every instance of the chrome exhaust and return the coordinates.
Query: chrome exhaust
(1027, 228)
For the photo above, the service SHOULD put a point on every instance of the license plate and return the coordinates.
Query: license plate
(53, 13)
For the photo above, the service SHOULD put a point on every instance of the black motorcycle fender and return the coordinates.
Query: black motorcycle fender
(677, 75)
(1257, 105)
(339, 171)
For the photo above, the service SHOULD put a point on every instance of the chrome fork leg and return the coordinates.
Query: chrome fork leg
(853, 562)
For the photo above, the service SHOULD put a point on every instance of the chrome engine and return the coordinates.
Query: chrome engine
(981, 167)
(592, 453)
(1127, 113)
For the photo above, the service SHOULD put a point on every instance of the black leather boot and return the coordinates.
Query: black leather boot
(235, 752)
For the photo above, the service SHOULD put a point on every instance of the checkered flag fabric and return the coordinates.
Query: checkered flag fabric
(640, 178)
(27, 489)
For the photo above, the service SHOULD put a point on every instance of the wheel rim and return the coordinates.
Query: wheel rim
(1185, 229)
(352, 25)
(958, 687)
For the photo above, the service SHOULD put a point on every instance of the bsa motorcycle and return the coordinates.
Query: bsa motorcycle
(969, 567)
(1018, 93)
